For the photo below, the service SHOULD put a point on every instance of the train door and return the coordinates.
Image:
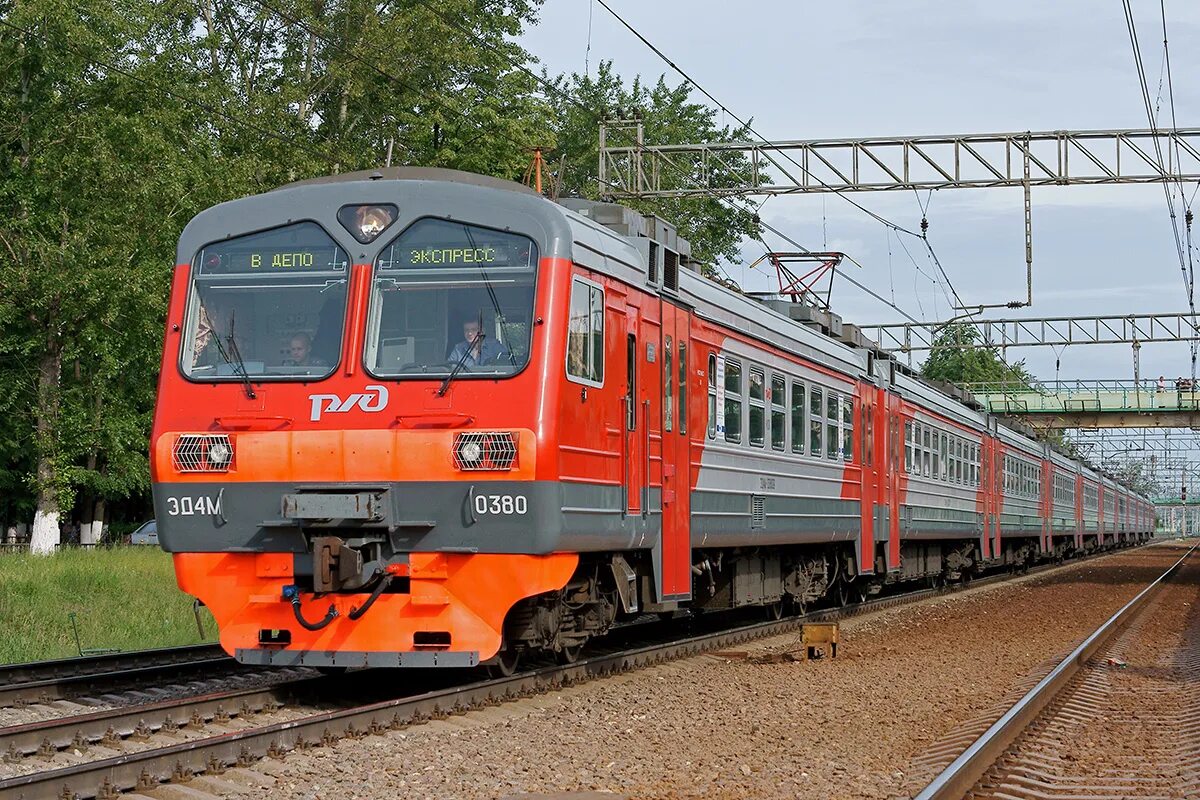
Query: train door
(985, 490)
(1077, 481)
(891, 482)
(869, 532)
(1046, 506)
(996, 488)
(676, 456)
(634, 450)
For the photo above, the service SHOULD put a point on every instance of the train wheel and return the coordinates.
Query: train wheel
(843, 594)
(504, 663)
(774, 610)
(569, 654)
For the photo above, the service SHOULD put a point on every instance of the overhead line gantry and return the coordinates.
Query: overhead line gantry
(897, 163)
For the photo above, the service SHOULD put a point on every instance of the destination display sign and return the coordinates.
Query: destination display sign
(438, 244)
(302, 247)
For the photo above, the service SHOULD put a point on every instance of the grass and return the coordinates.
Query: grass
(123, 598)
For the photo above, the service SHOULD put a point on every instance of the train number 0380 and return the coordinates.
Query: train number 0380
(501, 504)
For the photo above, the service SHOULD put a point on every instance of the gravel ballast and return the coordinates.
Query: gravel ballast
(727, 727)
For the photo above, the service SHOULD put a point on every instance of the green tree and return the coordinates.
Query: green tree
(93, 189)
(714, 229)
(123, 120)
(958, 357)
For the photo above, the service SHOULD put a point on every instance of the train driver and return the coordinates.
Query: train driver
(476, 348)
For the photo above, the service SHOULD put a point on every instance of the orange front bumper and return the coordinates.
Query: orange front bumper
(464, 595)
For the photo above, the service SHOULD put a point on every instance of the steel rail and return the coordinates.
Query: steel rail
(145, 770)
(108, 726)
(956, 780)
(40, 682)
(97, 664)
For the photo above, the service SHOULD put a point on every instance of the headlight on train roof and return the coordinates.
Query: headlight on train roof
(366, 222)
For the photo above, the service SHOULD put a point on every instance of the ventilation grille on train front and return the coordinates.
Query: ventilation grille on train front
(485, 450)
(758, 511)
(203, 452)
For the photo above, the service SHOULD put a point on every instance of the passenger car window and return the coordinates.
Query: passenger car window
(778, 413)
(797, 417)
(757, 409)
(733, 401)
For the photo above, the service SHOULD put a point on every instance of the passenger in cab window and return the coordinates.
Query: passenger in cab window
(300, 352)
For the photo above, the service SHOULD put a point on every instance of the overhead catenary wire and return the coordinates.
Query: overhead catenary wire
(1191, 272)
(1163, 162)
(750, 128)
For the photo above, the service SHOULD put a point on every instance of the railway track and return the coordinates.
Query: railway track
(1116, 718)
(46, 681)
(138, 748)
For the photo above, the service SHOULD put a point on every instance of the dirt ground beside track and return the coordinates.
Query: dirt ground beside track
(715, 728)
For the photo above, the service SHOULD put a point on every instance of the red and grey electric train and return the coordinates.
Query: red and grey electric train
(420, 417)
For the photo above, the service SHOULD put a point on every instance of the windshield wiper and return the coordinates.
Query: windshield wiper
(479, 337)
(239, 365)
(491, 290)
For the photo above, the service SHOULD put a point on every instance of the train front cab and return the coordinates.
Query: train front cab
(383, 501)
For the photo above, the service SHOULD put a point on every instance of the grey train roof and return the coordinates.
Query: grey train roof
(567, 230)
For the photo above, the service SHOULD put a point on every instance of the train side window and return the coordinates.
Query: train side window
(778, 413)
(847, 427)
(631, 384)
(733, 401)
(585, 333)
(868, 425)
(683, 385)
(712, 396)
(926, 452)
(832, 404)
(936, 455)
(757, 411)
(797, 408)
(945, 455)
(668, 383)
(815, 426)
(908, 447)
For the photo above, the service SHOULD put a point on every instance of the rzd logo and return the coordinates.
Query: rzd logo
(375, 398)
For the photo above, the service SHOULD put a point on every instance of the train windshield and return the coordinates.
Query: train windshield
(450, 297)
(267, 305)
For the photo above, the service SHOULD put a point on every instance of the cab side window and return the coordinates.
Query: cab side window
(585, 333)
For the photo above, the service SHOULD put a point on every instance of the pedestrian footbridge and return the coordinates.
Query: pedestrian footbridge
(1094, 404)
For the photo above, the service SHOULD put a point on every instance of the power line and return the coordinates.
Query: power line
(551, 88)
(1131, 27)
(746, 125)
(750, 128)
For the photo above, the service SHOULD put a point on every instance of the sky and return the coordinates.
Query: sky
(807, 70)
